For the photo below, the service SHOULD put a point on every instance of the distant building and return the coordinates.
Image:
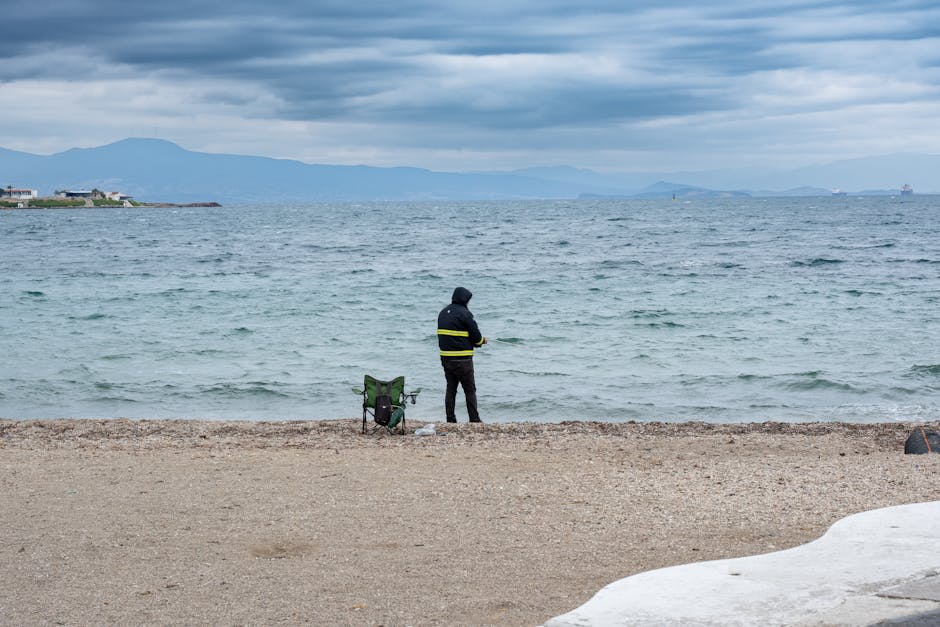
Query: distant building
(117, 196)
(74, 193)
(21, 194)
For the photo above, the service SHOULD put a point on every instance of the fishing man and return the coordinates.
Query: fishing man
(457, 335)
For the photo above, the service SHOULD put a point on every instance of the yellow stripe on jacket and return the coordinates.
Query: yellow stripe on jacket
(468, 353)
(453, 333)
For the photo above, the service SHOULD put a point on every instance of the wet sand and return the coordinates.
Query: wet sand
(229, 523)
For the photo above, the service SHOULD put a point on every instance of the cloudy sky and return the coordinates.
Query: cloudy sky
(489, 84)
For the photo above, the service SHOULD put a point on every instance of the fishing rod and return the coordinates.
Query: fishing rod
(504, 342)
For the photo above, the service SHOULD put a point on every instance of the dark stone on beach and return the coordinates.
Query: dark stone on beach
(922, 441)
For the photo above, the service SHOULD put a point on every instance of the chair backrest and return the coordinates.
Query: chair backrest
(371, 387)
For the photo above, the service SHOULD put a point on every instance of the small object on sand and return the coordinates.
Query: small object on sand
(922, 441)
(427, 429)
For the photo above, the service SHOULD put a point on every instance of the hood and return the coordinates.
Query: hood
(461, 296)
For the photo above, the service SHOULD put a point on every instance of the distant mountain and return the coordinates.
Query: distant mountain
(157, 170)
(879, 175)
(794, 192)
(622, 182)
(12, 159)
(160, 171)
(665, 189)
(886, 173)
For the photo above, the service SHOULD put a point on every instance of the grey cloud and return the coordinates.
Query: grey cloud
(576, 106)
(347, 61)
(198, 35)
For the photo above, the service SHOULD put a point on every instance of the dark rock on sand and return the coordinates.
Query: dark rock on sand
(922, 441)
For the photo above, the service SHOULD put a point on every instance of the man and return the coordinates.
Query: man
(457, 335)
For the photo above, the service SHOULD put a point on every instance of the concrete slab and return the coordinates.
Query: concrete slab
(926, 589)
(876, 567)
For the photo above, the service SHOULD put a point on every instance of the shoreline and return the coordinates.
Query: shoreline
(183, 521)
(267, 433)
(89, 204)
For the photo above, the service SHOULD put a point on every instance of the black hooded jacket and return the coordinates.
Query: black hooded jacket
(457, 331)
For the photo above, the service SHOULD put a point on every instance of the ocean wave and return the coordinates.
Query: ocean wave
(608, 264)
(649, 313)
(926, 370)
(94, 316)
(815, 383)
(216, 258)
(87, 274)
(808, 373)
(742, 243)
(661, 325)
(865, 246)
(816, 263)
(919, 260)
(537, 374)
(753, 377)
(208, 352)
(708, 410)
(80, 370)
(111, 399)
(243, 390)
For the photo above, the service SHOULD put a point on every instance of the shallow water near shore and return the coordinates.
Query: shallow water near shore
(731, 310)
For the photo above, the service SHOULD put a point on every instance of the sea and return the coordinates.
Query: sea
(716, 310)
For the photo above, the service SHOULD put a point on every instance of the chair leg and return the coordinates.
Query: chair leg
(363, 419)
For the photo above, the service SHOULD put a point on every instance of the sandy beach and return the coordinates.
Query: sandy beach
(231, 523)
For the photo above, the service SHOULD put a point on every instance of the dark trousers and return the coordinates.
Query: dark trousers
(460, 371)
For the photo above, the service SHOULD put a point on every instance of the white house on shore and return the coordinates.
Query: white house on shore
(84, 193)
(18, 194)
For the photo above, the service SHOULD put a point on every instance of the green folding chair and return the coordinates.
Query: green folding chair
(385, 402)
